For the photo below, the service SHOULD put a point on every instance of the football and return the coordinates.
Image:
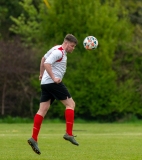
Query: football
(90, 42)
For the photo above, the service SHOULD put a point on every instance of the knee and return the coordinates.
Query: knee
(42, 112)
(72, 105)
(43, 109)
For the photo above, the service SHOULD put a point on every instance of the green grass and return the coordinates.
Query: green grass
(97, 142)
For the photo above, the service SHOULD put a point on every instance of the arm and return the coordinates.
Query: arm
(41, 68)
(48, 68)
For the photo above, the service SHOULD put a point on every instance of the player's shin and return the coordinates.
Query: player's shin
(69, 116)
(36, 127)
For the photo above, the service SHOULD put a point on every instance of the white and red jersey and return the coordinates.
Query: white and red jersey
(57, 57)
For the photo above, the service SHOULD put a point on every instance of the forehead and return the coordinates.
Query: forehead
(71, 43)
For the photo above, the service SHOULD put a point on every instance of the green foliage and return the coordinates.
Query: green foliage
(7, 9)
(27, 25)
(10, 119)
(90, 76)
(104, 82)
(35, 83)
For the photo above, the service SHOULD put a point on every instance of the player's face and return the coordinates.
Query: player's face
(70, 47)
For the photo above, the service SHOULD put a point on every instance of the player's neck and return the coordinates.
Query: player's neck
(64, 46)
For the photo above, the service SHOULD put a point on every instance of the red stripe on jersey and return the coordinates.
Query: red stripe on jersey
(61, 49)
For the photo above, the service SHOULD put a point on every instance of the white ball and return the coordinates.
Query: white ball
(90, 42)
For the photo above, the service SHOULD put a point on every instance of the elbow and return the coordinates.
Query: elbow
(46, 65)
(43, 59)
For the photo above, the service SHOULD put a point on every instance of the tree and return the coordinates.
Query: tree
(7, 9)
(97, 79)
(27, 24)
(90, 76)
(127, 63)
(17, 65)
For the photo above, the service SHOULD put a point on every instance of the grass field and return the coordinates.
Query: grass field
(97, 142)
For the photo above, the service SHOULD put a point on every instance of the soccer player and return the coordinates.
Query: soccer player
(52, 70)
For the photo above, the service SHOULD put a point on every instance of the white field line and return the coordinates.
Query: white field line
(54, 135)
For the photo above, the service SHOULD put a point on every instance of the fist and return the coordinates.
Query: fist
(57, 80)
(40, 77)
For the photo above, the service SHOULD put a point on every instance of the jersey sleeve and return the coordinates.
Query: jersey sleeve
(49, 52)
(53, 57)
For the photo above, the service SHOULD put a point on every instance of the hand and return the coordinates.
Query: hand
(57, 80)
(40, 77)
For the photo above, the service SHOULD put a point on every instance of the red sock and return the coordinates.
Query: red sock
(36, 127)
(69, 116)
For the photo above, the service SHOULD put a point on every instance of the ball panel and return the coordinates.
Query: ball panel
(90, 42)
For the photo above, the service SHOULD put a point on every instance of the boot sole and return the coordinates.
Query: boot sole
(71, 141)
(34, 149)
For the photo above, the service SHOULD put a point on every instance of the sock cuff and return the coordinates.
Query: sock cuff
(39, 116)
(70, 109)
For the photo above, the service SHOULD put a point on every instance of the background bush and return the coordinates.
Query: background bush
(106, 82)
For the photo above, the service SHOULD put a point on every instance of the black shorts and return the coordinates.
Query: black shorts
(54, 91)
